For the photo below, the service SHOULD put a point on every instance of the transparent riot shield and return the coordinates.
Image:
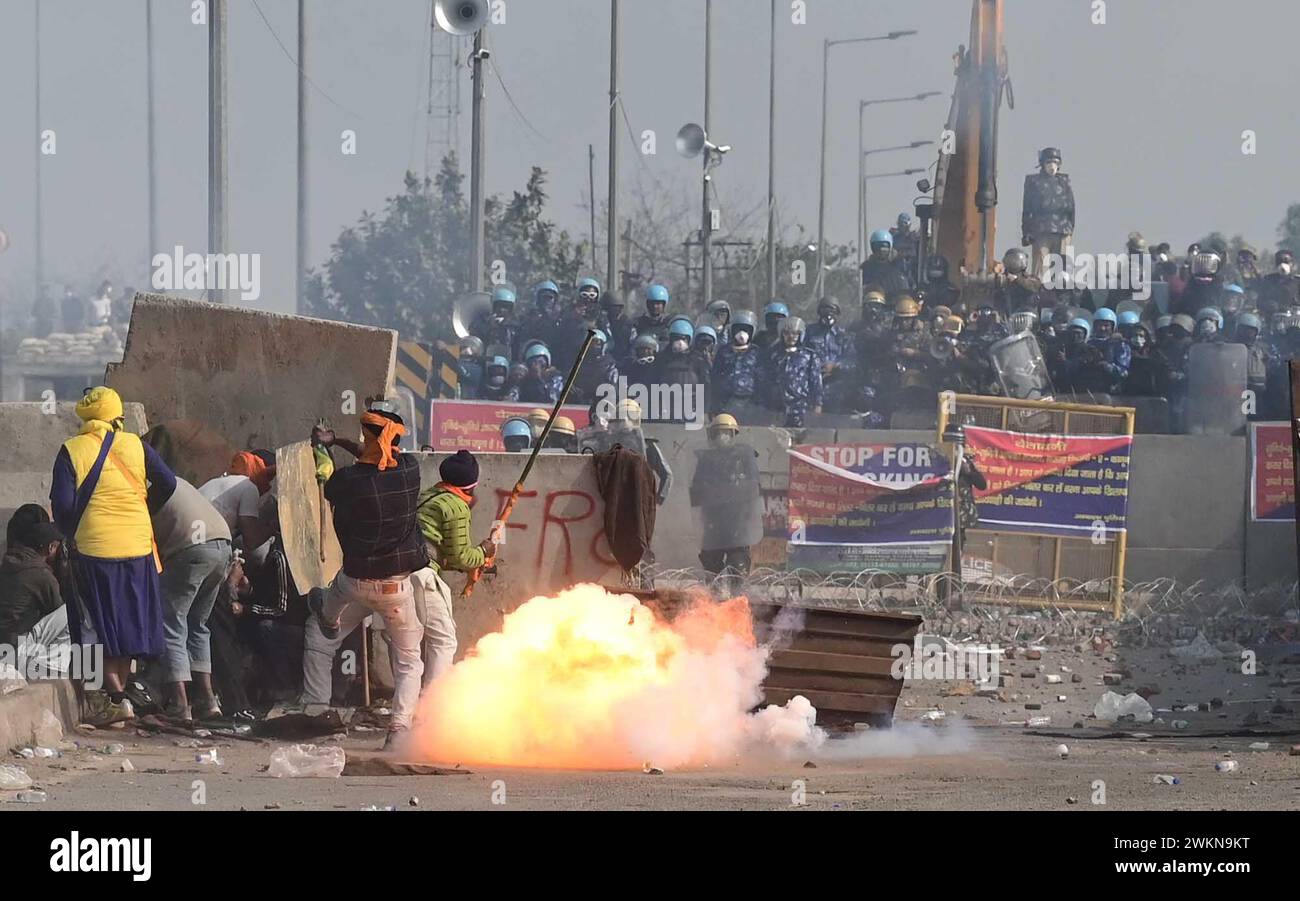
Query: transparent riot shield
(725, 497)
(1216, 386)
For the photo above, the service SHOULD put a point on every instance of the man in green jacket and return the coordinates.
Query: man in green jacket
(443, 515)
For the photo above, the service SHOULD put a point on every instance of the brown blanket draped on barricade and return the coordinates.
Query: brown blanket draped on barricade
(627, 485)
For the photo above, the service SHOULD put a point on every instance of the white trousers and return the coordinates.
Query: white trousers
(349, 601)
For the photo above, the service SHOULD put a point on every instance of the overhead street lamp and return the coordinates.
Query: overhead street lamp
(821, 203)
(862, 204)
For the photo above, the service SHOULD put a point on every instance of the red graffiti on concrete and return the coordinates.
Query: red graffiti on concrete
(598, 548)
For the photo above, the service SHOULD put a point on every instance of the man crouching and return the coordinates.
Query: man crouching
(444, 518)
(374, 503)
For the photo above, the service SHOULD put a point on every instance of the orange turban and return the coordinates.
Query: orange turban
(247, 463)
(380, 451)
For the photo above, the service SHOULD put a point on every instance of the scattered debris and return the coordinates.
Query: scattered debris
(651, 770)
(307, 761)
(208, 757)
(128, 766)
(1062, 751)
(413, 801)
(1226, 766)
(13, 778)
(809, 765)
(1167, 780)
(1259, 746)
(1113, 707)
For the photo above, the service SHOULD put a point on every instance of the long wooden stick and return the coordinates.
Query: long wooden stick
(509, 508)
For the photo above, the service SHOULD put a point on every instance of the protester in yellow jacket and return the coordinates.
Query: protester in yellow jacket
(103, 481)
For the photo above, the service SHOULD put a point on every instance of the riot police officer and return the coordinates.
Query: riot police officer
(655, 319)
(738, 368)
(833, 346)
(881, 270)
(572, 327)
(539, 323)
(1047, 220)
(796, 376)
(544, 383)
(498, 326)
(496, 384)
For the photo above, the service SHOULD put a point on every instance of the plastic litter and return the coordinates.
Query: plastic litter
(933, 715)
(208, 757)
(13, 778)
(1259, 746)
(1167, 780)
(1226, 766)
(114, 749)
(128, 766)
(307, 761)
(1062, 751)
(26, 752)
(1112, 706)
(32, 796)
(1035, 721)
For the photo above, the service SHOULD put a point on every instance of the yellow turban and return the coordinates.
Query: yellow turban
(100, 403)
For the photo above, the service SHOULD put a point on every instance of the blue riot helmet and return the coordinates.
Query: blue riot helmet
(588, 291)
(680, 334)
(656, 300)
(537, 350)
(498, 370)
(881, 241)
(1104, 317)
(705, 336)
(545, 294)
(773, 313)
(598, 342)
(1081, 323)
(516, 435)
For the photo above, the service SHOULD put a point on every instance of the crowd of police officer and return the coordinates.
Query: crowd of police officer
(911, 339)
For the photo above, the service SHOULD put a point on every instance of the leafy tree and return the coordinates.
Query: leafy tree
(1288, 231)
(405, 268)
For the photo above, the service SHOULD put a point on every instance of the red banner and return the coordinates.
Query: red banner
(475, 425)
(1272, 473)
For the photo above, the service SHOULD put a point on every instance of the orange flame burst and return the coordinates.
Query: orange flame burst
(592, 680)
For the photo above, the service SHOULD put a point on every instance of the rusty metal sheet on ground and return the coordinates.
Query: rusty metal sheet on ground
(300, 503)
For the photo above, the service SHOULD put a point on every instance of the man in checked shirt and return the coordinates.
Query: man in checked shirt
(374, 503)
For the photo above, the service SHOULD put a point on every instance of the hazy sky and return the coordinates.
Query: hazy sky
(1148, 108)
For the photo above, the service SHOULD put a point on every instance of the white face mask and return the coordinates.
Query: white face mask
(1051, 168)
(740, 339)
(679, 345)
(1284, 268)
(646, 360)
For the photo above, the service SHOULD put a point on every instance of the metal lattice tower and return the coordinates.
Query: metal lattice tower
(442, 123)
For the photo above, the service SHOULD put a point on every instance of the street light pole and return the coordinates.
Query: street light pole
(611, 234)
(301, 261)
(476, 178)
(771, 162)
(217, 149)
(706, 225)
(821, 203)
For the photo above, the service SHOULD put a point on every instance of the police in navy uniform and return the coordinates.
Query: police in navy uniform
(538, 324)
(654, 321)
(1047, 220)
(796, 376)
(469, 368)
(499, 325)
(598, 368)
(882, 270)
(614, 322)
(738, 367)
(642, 367)
(544, 383)
(1116, 354)
(572, 326)
(834, 348)
(496, 382)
